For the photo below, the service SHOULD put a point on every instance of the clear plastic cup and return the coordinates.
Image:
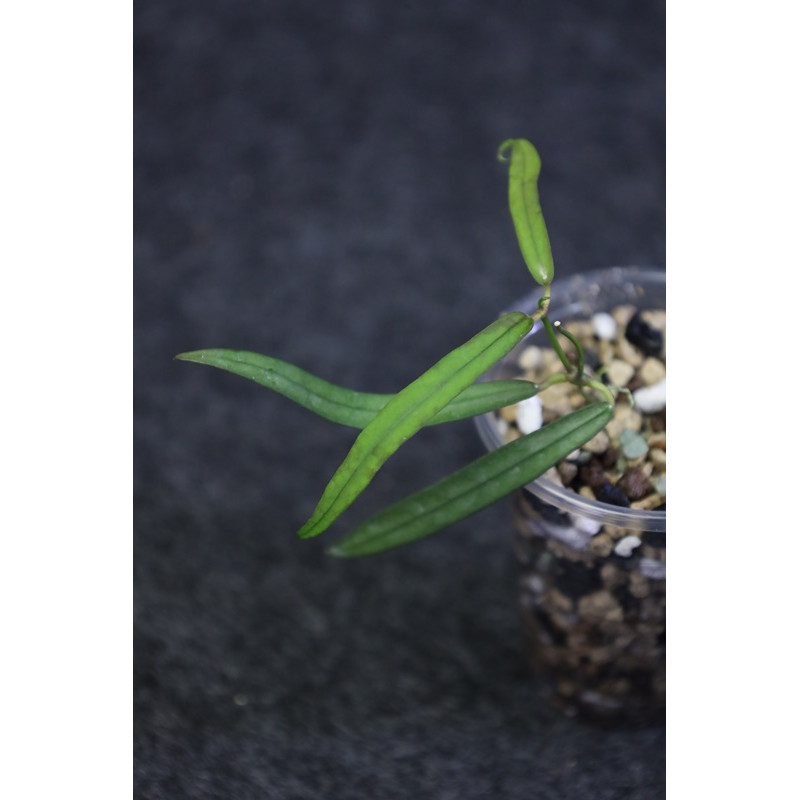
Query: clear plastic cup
(594, 618)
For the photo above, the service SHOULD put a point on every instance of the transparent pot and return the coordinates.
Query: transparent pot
(593, 613)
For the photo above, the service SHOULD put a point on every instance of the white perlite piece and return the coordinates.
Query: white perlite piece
(534, 583)
(626, 545)
(650, 568)
(529, 414)
(605, 326)
(586, 525)
(650, 399)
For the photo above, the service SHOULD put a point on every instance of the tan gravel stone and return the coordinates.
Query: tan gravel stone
(553, 475)
(611, 575)
(655, 318)
(622, 316)
(624, 417)
(556, 398)
(551, 363)
(614, 532)
(582, 329)
(598, 443)
(558, 600)
(531, 358)
(639, 585)
(508, 413)
(576, 400)
(600, 655)
(620, 372)
(648, 503)
(629, 353)
(600, 606)
(652, 371)
(567, 470)
(601, 545)
(606, 351)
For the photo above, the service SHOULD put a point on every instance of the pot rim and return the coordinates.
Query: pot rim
(558, 496)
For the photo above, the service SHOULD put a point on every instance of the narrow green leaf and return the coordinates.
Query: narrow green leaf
(475, 486)
(482, 397)
(409, 410)
(523, 201)
(344, 406)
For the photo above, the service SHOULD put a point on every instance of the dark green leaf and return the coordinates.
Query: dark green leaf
(344, 406)
(476, 486)
(409, 410)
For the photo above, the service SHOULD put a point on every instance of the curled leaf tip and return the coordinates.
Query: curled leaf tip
(523, 198)
(504, 147)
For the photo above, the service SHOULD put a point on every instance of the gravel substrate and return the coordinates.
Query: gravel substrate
(625, 464)
(593, 593)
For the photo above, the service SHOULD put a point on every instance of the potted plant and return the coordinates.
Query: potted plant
(458, 387)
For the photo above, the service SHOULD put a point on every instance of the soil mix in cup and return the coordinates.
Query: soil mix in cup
(593, 594)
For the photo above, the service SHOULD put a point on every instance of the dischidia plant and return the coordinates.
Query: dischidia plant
(450, 390)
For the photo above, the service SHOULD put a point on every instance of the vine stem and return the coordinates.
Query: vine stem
(551, 335)
(558, 377)
(602, 389)
(578, 349)
(544, 305)
(574, 373)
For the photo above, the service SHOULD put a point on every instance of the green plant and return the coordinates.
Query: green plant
(448, 391)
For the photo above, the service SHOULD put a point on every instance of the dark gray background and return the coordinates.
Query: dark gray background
(317, 181)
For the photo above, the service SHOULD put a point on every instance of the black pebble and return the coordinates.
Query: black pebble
(624, 597)
(556, 636)
(642, 679)
(611, 494)
(547, 512)
(645, 337)
(575, 579)
(655, 538)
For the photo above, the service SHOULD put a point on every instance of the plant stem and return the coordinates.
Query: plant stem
(578, 349)
(544, 304)
(551, 335)
(558, 377)
(602, 389)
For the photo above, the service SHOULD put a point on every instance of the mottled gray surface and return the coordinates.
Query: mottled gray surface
(317, 181)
